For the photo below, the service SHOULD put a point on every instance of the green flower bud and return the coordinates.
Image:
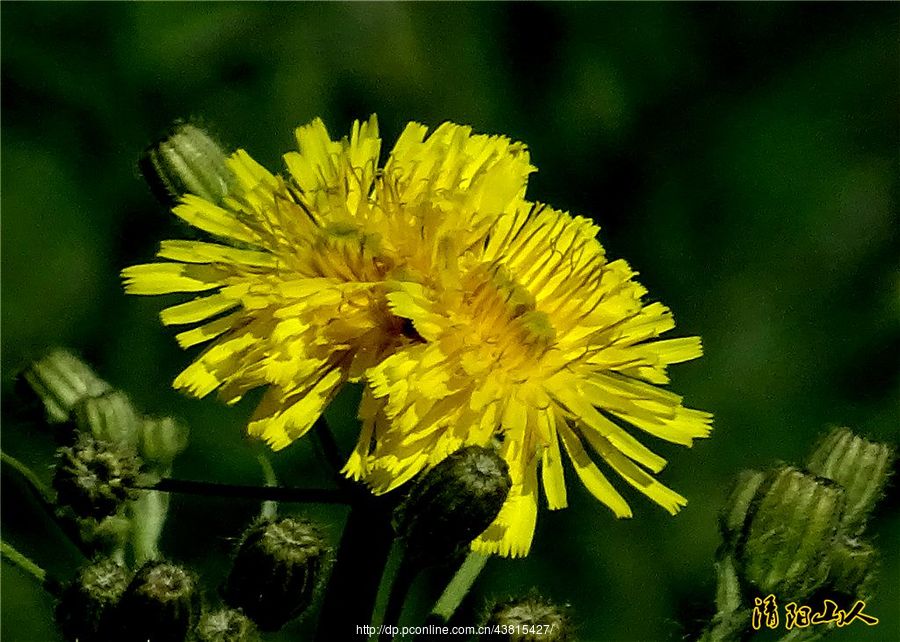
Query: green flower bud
(451, 504)
(852, 572)
(109, 417)
(107, 534)
(226, 625)
(532, 619)
(741, 500)
(61, 380)
(862, 467)
(161, 604)
(788, 537)
(162, 439)
(187, 161)
(276, 570)
(93, 477)
(85, 608)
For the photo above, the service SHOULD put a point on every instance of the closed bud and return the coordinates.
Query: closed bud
(790, 533)
(61, 380)
(276, 570)
(451, 504)
(852, 570)
(226, 625)
(187, 161)
(161, 604)
(162, 439)
(861, 466)
(532, 619)
(93, 477)
(743, 495)
(109, 417)
(85, 608)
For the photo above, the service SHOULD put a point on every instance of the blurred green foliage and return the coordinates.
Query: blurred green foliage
(742, 157)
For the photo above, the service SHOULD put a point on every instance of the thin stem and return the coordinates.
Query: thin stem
(331, 451)
(11, 554)
(458, 587)
(265, 493)
(406, 573)
(269, 507)
(43, 492)
(24, 563)
(359, 564)
(46, 498)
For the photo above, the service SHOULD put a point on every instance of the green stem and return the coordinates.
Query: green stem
(11, 554)
(42, 491)
(266, 493)
(359, 564)
(269, 507)
(24, 563)
(458, 587)
(400, 585)
(46, 498)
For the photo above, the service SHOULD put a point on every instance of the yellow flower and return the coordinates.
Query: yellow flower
(471, 316)
(294, 293)
(531, 339)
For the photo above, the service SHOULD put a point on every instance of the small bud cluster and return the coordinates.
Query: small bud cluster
(112, 449)
(277, 568)
(797, 533)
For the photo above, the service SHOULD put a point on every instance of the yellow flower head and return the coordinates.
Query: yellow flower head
(294, 294)
(470, 315)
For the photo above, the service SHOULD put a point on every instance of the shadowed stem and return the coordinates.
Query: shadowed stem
(402, 581)
(359, 564)
(46, 497)
(21, 561)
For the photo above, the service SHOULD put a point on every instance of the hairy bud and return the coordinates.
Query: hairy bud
(226, 625)
(530, 619)
(861, 466)
(187, 161)
(789, 535)
(85, 608)
(109, 417)
(61, 380)
(451, 504)
(93, 477)
(852, 570)
(276, 570)
(161, 604)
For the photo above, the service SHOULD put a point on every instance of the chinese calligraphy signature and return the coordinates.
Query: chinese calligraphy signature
(765, 613)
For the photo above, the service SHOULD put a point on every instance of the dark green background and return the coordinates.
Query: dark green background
(742, 157)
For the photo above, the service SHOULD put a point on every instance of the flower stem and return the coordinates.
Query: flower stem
(265, 493)
(269, 507)
(359, 564)
(46, 498)
(24, 563)
(458, 588)
(41, 490)
(400, 585)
